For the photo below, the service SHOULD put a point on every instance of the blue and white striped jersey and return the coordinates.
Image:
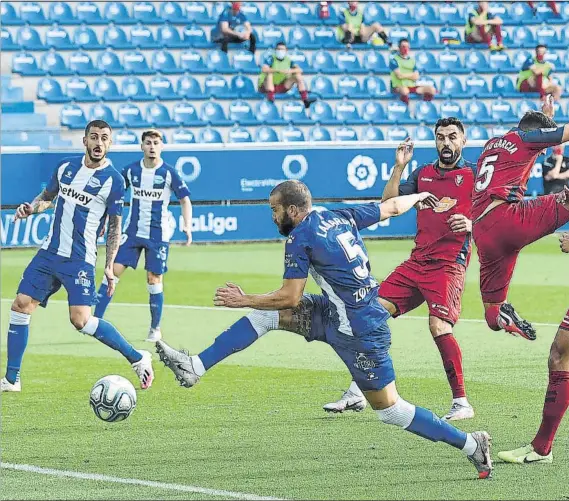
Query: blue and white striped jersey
(84, 198)
(151, 190)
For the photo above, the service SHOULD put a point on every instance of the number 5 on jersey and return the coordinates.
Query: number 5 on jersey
(486, 172)
(354, 251)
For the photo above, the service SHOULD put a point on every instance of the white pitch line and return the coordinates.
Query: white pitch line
(221, 308)
(133, 481)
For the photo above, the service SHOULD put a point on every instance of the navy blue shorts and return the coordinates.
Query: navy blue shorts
(47, 272)
(367, 357)
(155, 254)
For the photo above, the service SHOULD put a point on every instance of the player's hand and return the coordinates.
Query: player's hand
(230, 296)
(109, 274)
(189, 239)
(564, 243)
(23, 211)
(460, 223)
(427, 201)
(404, 154)
(548, 107)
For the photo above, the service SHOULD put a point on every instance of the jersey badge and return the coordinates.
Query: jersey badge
(94, 183)
(459, 179)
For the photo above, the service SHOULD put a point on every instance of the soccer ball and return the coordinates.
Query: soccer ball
(113, 398)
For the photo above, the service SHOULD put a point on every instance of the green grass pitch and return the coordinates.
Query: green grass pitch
(255, 423)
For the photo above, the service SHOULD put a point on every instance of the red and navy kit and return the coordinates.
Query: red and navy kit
(435, 271)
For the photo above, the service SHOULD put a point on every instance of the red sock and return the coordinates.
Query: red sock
(304, 95)
(539, 85)
(404, 98)
(491, 314)
(271, 96)
(556, 403)
(553, 7)
(452, 362)
(427, 97)
(498, 33)
(484, 35)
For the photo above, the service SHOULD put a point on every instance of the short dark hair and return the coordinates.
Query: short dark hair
(403, 40)
(533, 120)
(99, 124)
(445, 122)
(293, 192)
(280, 43)
(152, 133)
(539, 46)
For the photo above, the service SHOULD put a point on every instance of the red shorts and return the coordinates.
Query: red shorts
(565, 322)
(526, 86)
(439, 283)
(502, 233)
(412, 90)
(279, 89)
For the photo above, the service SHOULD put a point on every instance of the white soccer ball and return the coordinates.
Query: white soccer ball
(113, 398)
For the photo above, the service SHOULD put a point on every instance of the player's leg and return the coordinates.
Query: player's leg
(268, 88)
(403, 93)
(427, 91)
(156, 258)
(103, 299)
(366, 32)
(298, 79)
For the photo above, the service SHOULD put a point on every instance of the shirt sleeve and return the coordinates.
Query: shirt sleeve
(115, 200)
(53, 183)
(223, 18)
(364, 215)
(179, 187)
(528, 64)
(410, 186)
(124, 173)
(296, 262)
(242, 18)
(542, 138)
(393, 64)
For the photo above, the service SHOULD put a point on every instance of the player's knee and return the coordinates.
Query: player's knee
(559, 352)
(404, 91)
(438, 327)
(378, 28)
(23, 304)
(263, 321)
(79, 319)
(401, 414)
(153, 279)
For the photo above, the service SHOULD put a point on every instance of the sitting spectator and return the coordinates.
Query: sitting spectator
(555, 172)
(534, 76)
(233, 27)
(481, 26)
(404, 76)
(279, 74)
(354, 29)
(552, 6)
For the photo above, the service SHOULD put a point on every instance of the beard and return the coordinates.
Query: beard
(447, 156)
(285, 226)
(96, 157)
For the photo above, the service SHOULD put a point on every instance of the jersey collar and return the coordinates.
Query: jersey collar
(104, 165)
(160, 164)
(459, 165)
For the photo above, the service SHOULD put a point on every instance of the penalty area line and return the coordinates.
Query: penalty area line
(221, 308)
(132, 481)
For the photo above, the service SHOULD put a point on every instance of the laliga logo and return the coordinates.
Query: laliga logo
(181, 167)
(362, 172)
(302, 166)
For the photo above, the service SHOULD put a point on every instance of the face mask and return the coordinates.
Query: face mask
(404, 51)
(540, 57)
(280, 54)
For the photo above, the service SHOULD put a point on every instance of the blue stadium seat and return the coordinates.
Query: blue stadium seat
(272, 35)
(547, 35)
(244, 61)
(32, 12)
(426, 62)
(400, 13)
(134, 62)
(163, 62)
(241, 112)
(117, 13)
(398, 112)
(555, 59)
(318, 133)
(451, 14)
(499, 130)
(477, 133)
(426, 111)
(267, 113)
(50, 91)
(348, 62)
(300, 37)
(133, 88)
(58, 38)
(7, 41)
(449, 61)
(243, 87)
(217, 9)
(142, 38)
(239, 135)
(325, 37)
(168, 36)
(29, 38)
(375, 87)
(277, 14)
(323, 87)
(9, 15)
(157, 114)
(102, 112)
(475, 60)
(125, 136)
(183, 136)
(216, 86)
(520, 57)
(212, 113)
(321, 112)
(424, 80)
(106, 89)
(323, 61)
(187, 86)
(423, 133)
(349, 86)
(476, 86)
(503, 112)
(210, 136)
(300, 58)
(89, 13)
(501, 61)
(192, 62)
(85, 38)
(503, 86)
(115, 37)
(373, 112)
(451, 86)
(72, 116)
(129, 115)
(197, 12)
(60, 12)
(451, 108)
(161, 88)
(185, 113)
(374, 62)
(449, 35)
(53, 64)
(110, 63)
(519, 12)
(294, 111)
(172, 12)
(195, 36)
(476, 112)
(564, 10)
(498, 9)
(345, 134)
(218, 62)
(426, 14)
(546, 15)
(397, 33)
(375, 13)
(145, 12)
(347, 113)
(371, 133)
(292, 134)
(253, 13)
(522, 36)
(302, 13)
(525, 105)
(266, 134)
(397, 134)
(424, 38)
(77, 89)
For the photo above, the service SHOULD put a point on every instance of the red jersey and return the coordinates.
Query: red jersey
(453, 187)
(505, 165)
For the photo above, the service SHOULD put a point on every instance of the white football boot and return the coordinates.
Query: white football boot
(143, 369)
(350, 401)
(458, 412)
(5, 385)
(154, 335)
(180, 363)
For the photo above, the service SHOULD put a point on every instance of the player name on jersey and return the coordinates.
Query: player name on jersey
(501, 144)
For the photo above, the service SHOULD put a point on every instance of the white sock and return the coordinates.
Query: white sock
(355, 389)
(461, 401)
(264, 321)
(470, 445)
(198, 365)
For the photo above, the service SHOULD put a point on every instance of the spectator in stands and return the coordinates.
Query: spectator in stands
(404, 75)
(534, 76)
(555, 172)
(481, 26)
(233, 27)
(354, 29)
(552, 6)
(279, 74)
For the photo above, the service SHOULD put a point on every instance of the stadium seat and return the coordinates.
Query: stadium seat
(77, 89)
(299, 37)
(501, 61)
(277, 14)
(188, 87)
(211, 112)
(253, 13)
(424, 38)
(158, 116)
(210, 136)
(449, 35)
(242, 87)
(477, 133)
(475, 60)
(144, 12)
(322, 86)
(129, 115)
(502, 85)
(72, 116)
(244, 61)
(115, 37)
(398, 112)
(216, 86)
(163, 62)
(348, 62)
(292, 134)
(218, 62)
(397, 33)
(124, 136)
(323, 61)
(373, 113)
(375, 87)
(503, 112)
(371, 133)
(85, 38)
(28, 37)
(117, 13)
(426, 62)
(451, 86)
(9, 15)
(60, 12)
(267, 113)
(546, 35)
(450, 108)
(449, 61)
(89, 13)
(349, 86)
(32, 12)
(102, 112)
(302, 13)
(197, 12)
(520, 57)
(172, 12)
(185, 113)
(135, 63)
(50, 91)
(106, 89)
(555, 59)
(564, 10)
(58, 38)
(449, 13)
(375, 13)
(345, 134)
(325, 37)
(397, 134)
(110, 63)
(318, 133)
(374, 62)
(133, 88)
(161, 88)
(168, 36)
(272, 35)
(522, 36)
(239, 135)
(192, 62)
(142, 38)
(53, 64)
(183, 136)
(321, 112)
(476, 112)
(524, 106)
(241, 112)
(301, 60)
(423, 133)
(266, 135)
(477, 86)
(294, 111)
(399, 13)
(347, 113)
(519, 13)
(7, 41)
(426, 14)
(195, 36)
(426, 111)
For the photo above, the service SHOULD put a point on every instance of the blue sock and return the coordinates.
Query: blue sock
(427, 425)
(238, 337)
(156, 304)
(102, 299)
(17, 342)
(106, 333)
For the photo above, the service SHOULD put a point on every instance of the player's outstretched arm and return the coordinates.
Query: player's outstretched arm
(403, 156)
(288, 296)
(39, 204)
(400, 205)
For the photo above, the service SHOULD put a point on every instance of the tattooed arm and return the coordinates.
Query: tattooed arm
(39, 204)
(113, 243)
